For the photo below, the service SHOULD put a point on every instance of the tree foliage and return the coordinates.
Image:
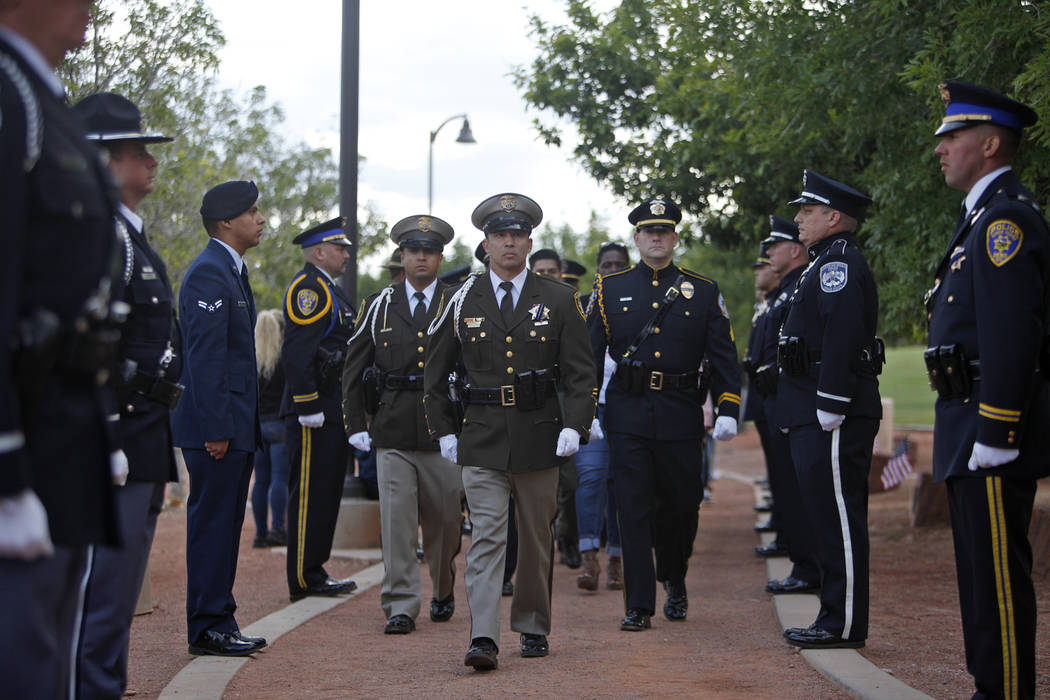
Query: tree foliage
(163, 55)
(721, 105)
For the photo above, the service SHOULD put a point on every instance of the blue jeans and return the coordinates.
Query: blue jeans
(595, 500)
(271, 478)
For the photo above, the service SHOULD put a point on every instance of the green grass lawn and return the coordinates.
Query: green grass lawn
(903, 379)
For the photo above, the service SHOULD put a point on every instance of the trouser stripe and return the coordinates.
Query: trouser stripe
(1001, 567)
(847, 541)
(304, 485)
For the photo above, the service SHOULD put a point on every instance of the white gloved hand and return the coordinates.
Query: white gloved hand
(829, 421)
(360, 441)
(118, 467)
(568, 442)
(312, 420)
(596, 430)
(987, 457)
(725, 428)
(23, 528)
(449, 445)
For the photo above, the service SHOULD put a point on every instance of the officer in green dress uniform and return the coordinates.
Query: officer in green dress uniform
(520, 337)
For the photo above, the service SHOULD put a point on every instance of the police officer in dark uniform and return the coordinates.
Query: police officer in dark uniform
(56, 491)
(828, 400)
(571, 271)
(659, 323)
(146, 393)
(521, 338)
(318, 321)
(787, 258)
(383, 378)
(987, 359)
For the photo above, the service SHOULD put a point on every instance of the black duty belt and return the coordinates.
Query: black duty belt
(663, 381)
(950, 372)
(398, 382)
(154, 388)
(525, 395)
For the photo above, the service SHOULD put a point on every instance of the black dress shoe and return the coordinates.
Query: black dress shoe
(331, 587)
(677, 602)
(508, 588)
(277, 538)
(259, 543)
(570, 552)
(482, 654)
(817, 638)
(399, 624)
(791, 585)
(441, 610)
(773, 549)
(534, 645)
(635, 621)
(257, 642)
(765, 526)
(214, 643)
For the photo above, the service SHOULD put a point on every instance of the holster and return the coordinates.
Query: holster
(153, 387)
(329, 370)
(949, 371)
(455, 397)
(765, 380)
(372, 383)
(792, 356)
(633, 375)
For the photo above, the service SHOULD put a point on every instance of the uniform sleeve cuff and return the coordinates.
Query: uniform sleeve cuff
(833, 403)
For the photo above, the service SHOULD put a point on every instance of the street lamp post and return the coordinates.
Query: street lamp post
(465, 136)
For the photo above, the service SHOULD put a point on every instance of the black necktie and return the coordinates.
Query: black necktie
(248, 289)
(506, 306)
(419, 314)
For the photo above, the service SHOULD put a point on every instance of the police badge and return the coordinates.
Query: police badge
(508, 202)
(425, 223)
(833, 276)
(657, 208)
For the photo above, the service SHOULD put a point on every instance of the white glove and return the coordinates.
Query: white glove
(361, 441)
(23, 528)
(118, 467)
(829, 421)
(987, 457)
(568, 442)
(596, 430)
(449, 445)
(312, 420)
(725, 428)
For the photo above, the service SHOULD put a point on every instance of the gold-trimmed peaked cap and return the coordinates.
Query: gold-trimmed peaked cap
(421, 231)
(655, 213)
(507, 211)
(331, 231)
(967, 105)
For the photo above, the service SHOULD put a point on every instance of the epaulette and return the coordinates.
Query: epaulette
(305, 305)
(697, 275)
(555, 280)
(34, 118)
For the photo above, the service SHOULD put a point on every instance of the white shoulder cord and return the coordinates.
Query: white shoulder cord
(373, 313)
(455, 304)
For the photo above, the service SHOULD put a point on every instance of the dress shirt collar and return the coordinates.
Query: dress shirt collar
(134, 219)
(518, 282)
(980, 186)
(31, 55)
(238, 261)
(428, 292)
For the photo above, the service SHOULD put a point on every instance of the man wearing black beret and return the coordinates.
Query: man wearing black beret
(988, 360)
(217, 421)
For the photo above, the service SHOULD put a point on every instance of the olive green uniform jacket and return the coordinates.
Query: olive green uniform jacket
(547, 330)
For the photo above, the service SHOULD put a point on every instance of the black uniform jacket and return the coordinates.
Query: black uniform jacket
(776, 312)
(58, 246)
(144, 430)
(696, 326)
(990, 297)
(547, 331)
(387, 337)
(318, 320)
(833, 310)
(752, 360)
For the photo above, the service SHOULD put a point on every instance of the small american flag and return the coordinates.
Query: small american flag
(898, 467)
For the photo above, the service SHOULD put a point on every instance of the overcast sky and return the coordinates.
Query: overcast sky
(421, 62)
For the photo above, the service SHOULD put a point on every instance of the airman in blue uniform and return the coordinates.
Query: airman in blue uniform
(828, 400)
(659, 322)
(987, 359)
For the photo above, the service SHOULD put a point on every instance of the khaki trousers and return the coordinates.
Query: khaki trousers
(417, 489)
(535, 501)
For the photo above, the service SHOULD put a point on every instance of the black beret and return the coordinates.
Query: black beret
(229, 200)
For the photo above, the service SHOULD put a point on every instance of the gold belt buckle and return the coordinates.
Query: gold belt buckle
(656, 380)
(506, 395)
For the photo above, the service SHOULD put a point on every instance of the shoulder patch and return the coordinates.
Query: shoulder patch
(833, 276)
(722, 305)
(1003, 240)
(304, 304)
(579, 307)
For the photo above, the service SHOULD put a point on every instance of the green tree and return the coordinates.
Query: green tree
(721, 105)
(163, 54)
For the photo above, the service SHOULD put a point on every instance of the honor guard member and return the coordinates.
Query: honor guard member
(659, 322)
(571, 271)
(988, 361)
(217, 420)
(828, 399)
(383, 378)
(56, 494)
(318, 321)
(151, 348)
(787, 259)
(395, 268)
(517, 334)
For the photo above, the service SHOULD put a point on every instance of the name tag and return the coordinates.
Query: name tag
(242, 304)
(626, 298)
(148, 273)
